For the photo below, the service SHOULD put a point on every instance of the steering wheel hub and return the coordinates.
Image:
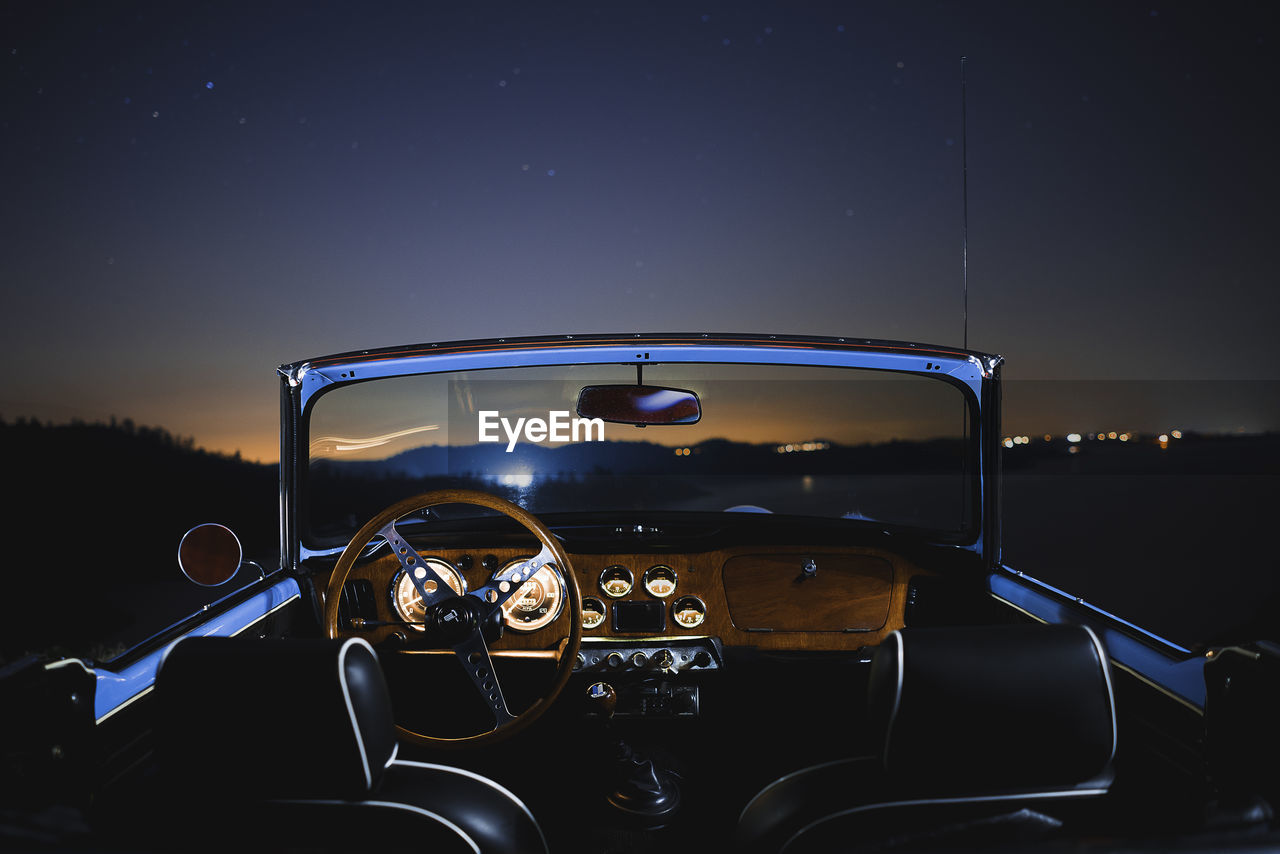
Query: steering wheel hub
(453, 620)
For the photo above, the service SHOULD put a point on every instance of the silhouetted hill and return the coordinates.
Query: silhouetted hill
(98, 507)
(718, 456)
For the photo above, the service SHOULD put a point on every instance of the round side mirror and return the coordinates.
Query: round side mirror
(209, 554)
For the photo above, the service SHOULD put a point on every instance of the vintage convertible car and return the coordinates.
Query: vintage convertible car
(642, 592)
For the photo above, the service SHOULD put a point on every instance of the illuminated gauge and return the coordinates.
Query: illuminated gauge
(616, 581)
(688, 612)
(660, 581)
(538, 601)
(405, 597)
(592, 612)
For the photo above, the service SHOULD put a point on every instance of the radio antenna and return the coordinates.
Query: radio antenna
(964, 171)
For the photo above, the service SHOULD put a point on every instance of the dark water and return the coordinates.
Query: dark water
(1189, 557)
(1179, 540)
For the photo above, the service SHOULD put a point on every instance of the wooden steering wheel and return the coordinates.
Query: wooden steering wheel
(459, 621)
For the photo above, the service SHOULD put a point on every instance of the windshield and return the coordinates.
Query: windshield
(796, 440)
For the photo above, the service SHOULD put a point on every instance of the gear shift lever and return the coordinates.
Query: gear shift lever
(602, 700)
(644, 790)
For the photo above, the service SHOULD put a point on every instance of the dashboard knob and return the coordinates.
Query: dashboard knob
(663, 659)
(685, 702)
(614, 659)
(701, 659)
(639, 659)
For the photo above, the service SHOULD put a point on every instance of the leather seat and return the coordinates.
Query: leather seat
(987, 736)
(272, 742)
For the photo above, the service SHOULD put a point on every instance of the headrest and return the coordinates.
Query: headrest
(993, 706)
(274, 718)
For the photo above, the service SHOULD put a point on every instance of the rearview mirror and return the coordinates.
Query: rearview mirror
(209, 554)
(641, 405)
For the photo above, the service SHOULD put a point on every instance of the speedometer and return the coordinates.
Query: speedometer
(405, 597)
(538, 601)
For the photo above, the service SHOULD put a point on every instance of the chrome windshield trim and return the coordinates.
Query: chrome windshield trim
(965, 367)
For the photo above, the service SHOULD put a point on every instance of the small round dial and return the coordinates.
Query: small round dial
(593, 612)
(688, 612)
(405, 597)
(660, 581)
(538, 601)
(616, 581)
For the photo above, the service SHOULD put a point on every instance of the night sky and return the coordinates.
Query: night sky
(194, 194)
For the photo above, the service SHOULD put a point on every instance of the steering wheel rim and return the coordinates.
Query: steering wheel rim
(490, 598)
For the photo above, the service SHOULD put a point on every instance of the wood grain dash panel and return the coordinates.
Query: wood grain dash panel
(878, 606)
(849, 592)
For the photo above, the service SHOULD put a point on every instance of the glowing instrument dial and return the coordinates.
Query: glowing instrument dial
(593, 612)
(538, 601)
(689, 612)
(616, 581)
(660, 581)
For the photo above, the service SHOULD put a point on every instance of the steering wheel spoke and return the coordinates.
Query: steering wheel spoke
(414, 566)
(474, 655)
(501, 588)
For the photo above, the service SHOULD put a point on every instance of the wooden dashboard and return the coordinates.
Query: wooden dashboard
(770, 597)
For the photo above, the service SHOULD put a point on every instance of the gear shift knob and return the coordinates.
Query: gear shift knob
(602, 700)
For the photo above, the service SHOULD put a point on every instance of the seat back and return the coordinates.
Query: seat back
(969, 708)
(274, 718)
(978, 730)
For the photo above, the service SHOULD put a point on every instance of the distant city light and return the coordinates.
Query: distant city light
(1177, 434)
(1164, 438)
(1073, 450)
(802, 446)
(1111, 435)
(1008, 443)
(1073, 437)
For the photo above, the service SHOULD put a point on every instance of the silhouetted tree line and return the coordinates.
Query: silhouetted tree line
(97, 507)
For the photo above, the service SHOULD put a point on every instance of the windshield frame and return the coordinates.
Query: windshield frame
(974, 374)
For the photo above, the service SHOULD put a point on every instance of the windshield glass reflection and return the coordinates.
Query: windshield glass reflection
(808, 441)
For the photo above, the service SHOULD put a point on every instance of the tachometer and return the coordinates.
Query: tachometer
(538, 601)
(405, 598)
